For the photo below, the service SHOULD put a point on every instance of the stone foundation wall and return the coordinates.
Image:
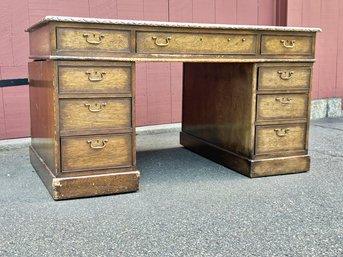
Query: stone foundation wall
(328, 107)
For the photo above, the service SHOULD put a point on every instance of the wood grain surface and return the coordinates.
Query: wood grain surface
(87, 39)
(281, 106)
(279, 138)
(294, 77)
(94, 152)
(218, 104)
(286, 44)
(43, 113)
(92, 114)
(198, 43)
(74, 78)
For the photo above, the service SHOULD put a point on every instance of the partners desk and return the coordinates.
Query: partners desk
(246, 98)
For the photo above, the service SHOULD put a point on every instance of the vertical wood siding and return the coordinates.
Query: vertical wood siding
(2, 116)
(327, 15)
(159, 85)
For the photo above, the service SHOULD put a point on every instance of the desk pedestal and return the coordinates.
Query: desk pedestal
(83, 128)
(226, 118)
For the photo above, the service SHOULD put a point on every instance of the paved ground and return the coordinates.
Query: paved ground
(187, 206)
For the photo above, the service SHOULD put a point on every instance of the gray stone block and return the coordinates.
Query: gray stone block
(319, 109)
(334, 107)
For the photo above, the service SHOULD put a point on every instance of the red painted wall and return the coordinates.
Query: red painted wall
(327, 15)
(159, 84)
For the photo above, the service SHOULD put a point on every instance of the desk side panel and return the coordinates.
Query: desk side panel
(40, 42)
(217, 105)
(42, 108)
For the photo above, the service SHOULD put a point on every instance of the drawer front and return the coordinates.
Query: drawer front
(96, 152)
(284, 78)
(286, 45)
(94, 79)
(156, 42)
(90, 114)
(280, 138)
(83, 39)
(281, 106)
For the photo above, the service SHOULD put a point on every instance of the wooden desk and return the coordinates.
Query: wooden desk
(246, 98)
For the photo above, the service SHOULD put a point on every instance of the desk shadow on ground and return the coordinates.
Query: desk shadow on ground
(175, 165)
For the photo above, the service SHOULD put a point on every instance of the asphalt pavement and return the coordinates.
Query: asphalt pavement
(187, 206)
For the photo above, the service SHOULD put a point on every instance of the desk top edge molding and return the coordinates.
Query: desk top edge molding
(214, 59)
(48, 19)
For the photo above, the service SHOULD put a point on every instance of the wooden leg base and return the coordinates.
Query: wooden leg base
(244, 165)
(280, 166)
(84, 186)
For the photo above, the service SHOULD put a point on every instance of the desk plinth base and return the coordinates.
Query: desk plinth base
(244, 165)
(84, 186)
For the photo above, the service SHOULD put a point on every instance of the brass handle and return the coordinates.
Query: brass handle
(97, 145)
(93, 38)
(95, 76)
(288, 43)
(243, 39)
(281, 132)
(161, 44)
(97, 107)
(285, 75)
(283, 100)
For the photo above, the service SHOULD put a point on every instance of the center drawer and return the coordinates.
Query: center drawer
(197, 43)
(96, 152)
(92, 114)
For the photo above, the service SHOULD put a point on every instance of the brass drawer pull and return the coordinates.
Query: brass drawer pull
(281, 132)
(284, 100)
(161, 44)
(285, 75)
(97, 145)
(288, 43)
(95, 76)
(97, 107)
(93, 38)
(243, 39)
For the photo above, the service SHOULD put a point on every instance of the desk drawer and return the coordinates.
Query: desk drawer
(185, 43)
(284, 78)
(96, 152)
(94, 79)
(281, 106)
(92, 114)
(280, 138)
(89, 39)
(286, 45)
